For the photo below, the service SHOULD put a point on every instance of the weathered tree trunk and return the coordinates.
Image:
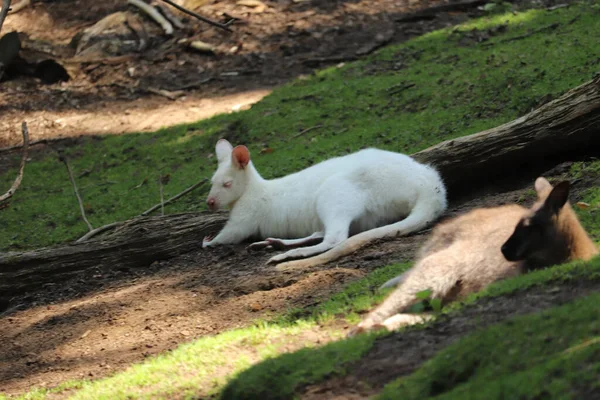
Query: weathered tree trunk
(567, 125)
(137, 243)
(563, 126)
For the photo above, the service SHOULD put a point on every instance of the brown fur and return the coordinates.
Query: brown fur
(463, 255)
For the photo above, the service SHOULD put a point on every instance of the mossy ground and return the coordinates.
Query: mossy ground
(404, 98)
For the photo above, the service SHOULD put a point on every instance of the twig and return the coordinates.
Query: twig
(62, 158)
(165, 93)
(11, 309)
(186, 191)
(556, 7)
(168, 15)
(97, 231)
(19, 178)
(154, 14)
(104, 228)
(224, 26)
(399, 88)
(195, 84)
(20, 6)
(306, 130)
(162, 199)
(526, 35)
(4, 11)
(430, 13)
(323, 60)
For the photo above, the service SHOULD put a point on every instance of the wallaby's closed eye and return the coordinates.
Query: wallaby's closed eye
(469, 252)
(377, 191)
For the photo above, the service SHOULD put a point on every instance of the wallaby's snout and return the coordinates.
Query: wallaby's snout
(511, 251)
(211, 202)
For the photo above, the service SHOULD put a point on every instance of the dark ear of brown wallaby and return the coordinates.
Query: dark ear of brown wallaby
(557, 198)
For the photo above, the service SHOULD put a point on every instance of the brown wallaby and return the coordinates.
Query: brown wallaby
(469, 252)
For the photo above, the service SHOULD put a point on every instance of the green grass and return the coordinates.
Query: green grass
(589, 213)
(460, 87)
(552, 355)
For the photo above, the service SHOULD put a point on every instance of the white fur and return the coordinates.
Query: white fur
(341, 196)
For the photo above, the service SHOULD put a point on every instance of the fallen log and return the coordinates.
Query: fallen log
(568, 124)
(137, 243)
(563, 127)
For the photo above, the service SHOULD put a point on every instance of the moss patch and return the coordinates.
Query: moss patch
(553, 354)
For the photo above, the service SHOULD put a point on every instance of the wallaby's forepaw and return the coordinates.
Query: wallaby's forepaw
(366, 326)
(258, 245)
(206, 241)
(268, 244)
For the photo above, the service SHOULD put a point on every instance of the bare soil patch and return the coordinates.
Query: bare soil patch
(266, 49)
(105, 319)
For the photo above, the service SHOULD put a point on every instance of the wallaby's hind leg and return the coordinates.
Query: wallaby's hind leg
(337, 206)
(335, 233)
(422, 215)
(399, 320)
(425, 275)
(280, 244)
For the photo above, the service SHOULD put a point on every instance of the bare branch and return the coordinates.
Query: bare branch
(97, 231)
(200, 17)
(162, 198)
(4, 11)
(64, 160)
(168, 15)
(104, 228)
(20, 6)
(186, 191)
(306, 130)
(19, 178)
(154, 14)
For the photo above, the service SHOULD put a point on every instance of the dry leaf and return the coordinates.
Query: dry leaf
(582, 205)
(202, 46)
(266, 150)
(258, 6)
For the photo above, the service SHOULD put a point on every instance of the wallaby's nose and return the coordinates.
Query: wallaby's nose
(211, 202)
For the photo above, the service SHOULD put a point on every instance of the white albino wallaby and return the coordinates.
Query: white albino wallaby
(325, 202)
(467, 253)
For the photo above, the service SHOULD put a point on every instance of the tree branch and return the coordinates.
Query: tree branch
(62, 158)
(154, 14)
(20, 6)
(19, 178)
(104, 228)
(200, 17)
(4, 11)
(162, 204)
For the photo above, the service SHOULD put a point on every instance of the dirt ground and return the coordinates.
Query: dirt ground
(266, 49)
(103, 320)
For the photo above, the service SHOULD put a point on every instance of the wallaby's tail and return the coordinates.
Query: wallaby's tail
(424, 213)
(393, 282)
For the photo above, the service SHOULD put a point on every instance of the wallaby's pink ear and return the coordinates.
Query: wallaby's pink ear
(542, 187)
(557, 197)
(240, 156)
(223, 150)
